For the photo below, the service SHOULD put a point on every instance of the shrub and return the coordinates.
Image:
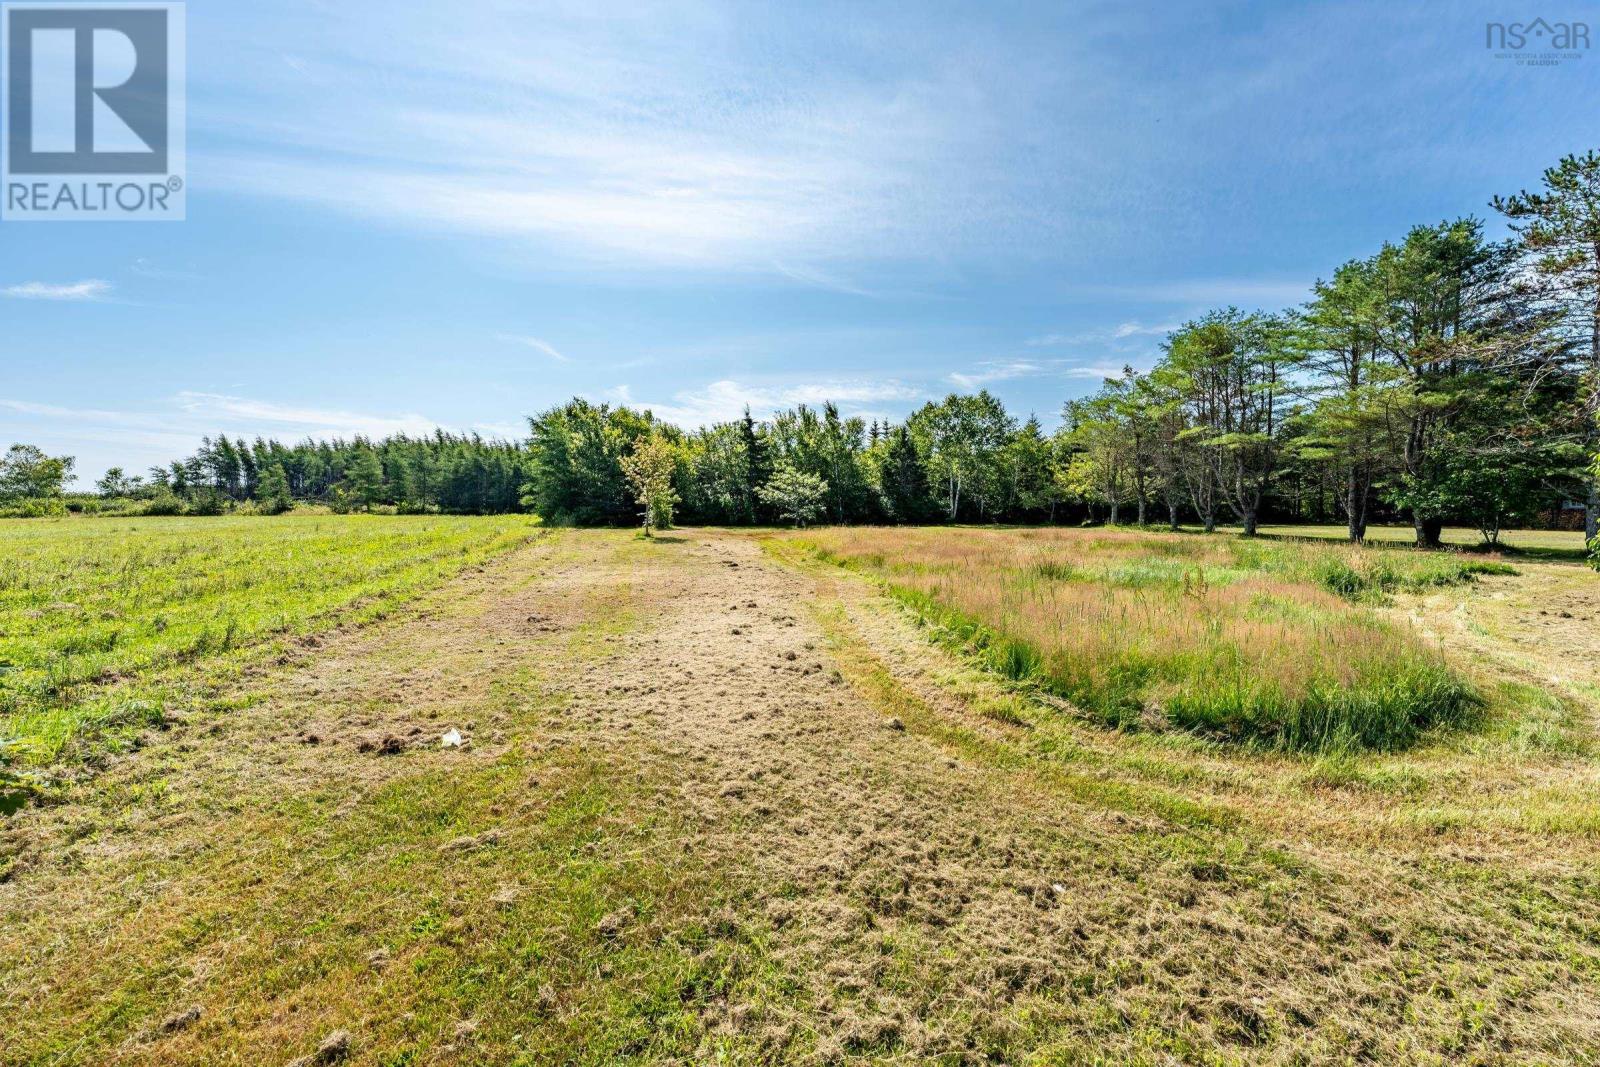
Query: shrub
(40, 507)
(163, 503)
(206, 502)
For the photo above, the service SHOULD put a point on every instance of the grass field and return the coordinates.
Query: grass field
(761, 798)
(1274, 642)
(1541, 544)
(98, 618)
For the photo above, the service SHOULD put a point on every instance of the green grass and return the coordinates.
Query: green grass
(1553, 545)
(96, 616)
(1269, 642)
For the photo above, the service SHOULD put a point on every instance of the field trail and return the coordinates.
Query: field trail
(719, 808)
(868, 849)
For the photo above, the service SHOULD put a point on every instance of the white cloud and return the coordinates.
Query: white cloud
(90, 289)
(269, 417)
(657, 135)
(1006, 370)
(535, 343)
(147, 431)
(1102, 336)
(997, 371)
(1139, 329)
(1097, 371)
(821, 279)
(505, 431)
(726, 400)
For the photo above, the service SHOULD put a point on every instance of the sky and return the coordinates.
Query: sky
(407, 215)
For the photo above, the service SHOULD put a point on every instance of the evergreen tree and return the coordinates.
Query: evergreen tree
(1559, 228)
(273, 491)
(902, 481)
(365, 478)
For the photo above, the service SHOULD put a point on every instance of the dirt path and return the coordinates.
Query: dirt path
(718, 810)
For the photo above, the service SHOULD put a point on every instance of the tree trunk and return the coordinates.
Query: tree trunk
(1429, 531)
(1172, 515)
(1591, 510)
(1141, 511)
(1250, 522)
(1115, 507)
(1355, 507)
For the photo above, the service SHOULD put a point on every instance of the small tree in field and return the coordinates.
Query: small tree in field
(797, 497)
(648, 469)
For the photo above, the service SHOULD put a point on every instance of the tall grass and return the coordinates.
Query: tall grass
(85, 604)
(1271, 642)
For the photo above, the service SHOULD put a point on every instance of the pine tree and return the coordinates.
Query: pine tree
(273, 491)
(758, 464)
(365, 476)
(903, 480)
(1560, 231)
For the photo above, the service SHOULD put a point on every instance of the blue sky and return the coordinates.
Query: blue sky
(406, 215)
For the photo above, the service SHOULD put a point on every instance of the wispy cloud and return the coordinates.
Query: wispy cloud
(726, 400)
(997, 371)
(89, 289)
(821, 279)
(1092, 369)
(269, 417)
(652, 136)
(535, 343)
(1141, 329)
(1096, 371)
(1105, 335)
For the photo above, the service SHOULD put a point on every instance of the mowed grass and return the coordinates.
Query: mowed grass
(1552, 545)
(1271, 642)
(97, 616)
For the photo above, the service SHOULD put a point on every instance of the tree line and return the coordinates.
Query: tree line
(1445, 378)
(464, 474)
